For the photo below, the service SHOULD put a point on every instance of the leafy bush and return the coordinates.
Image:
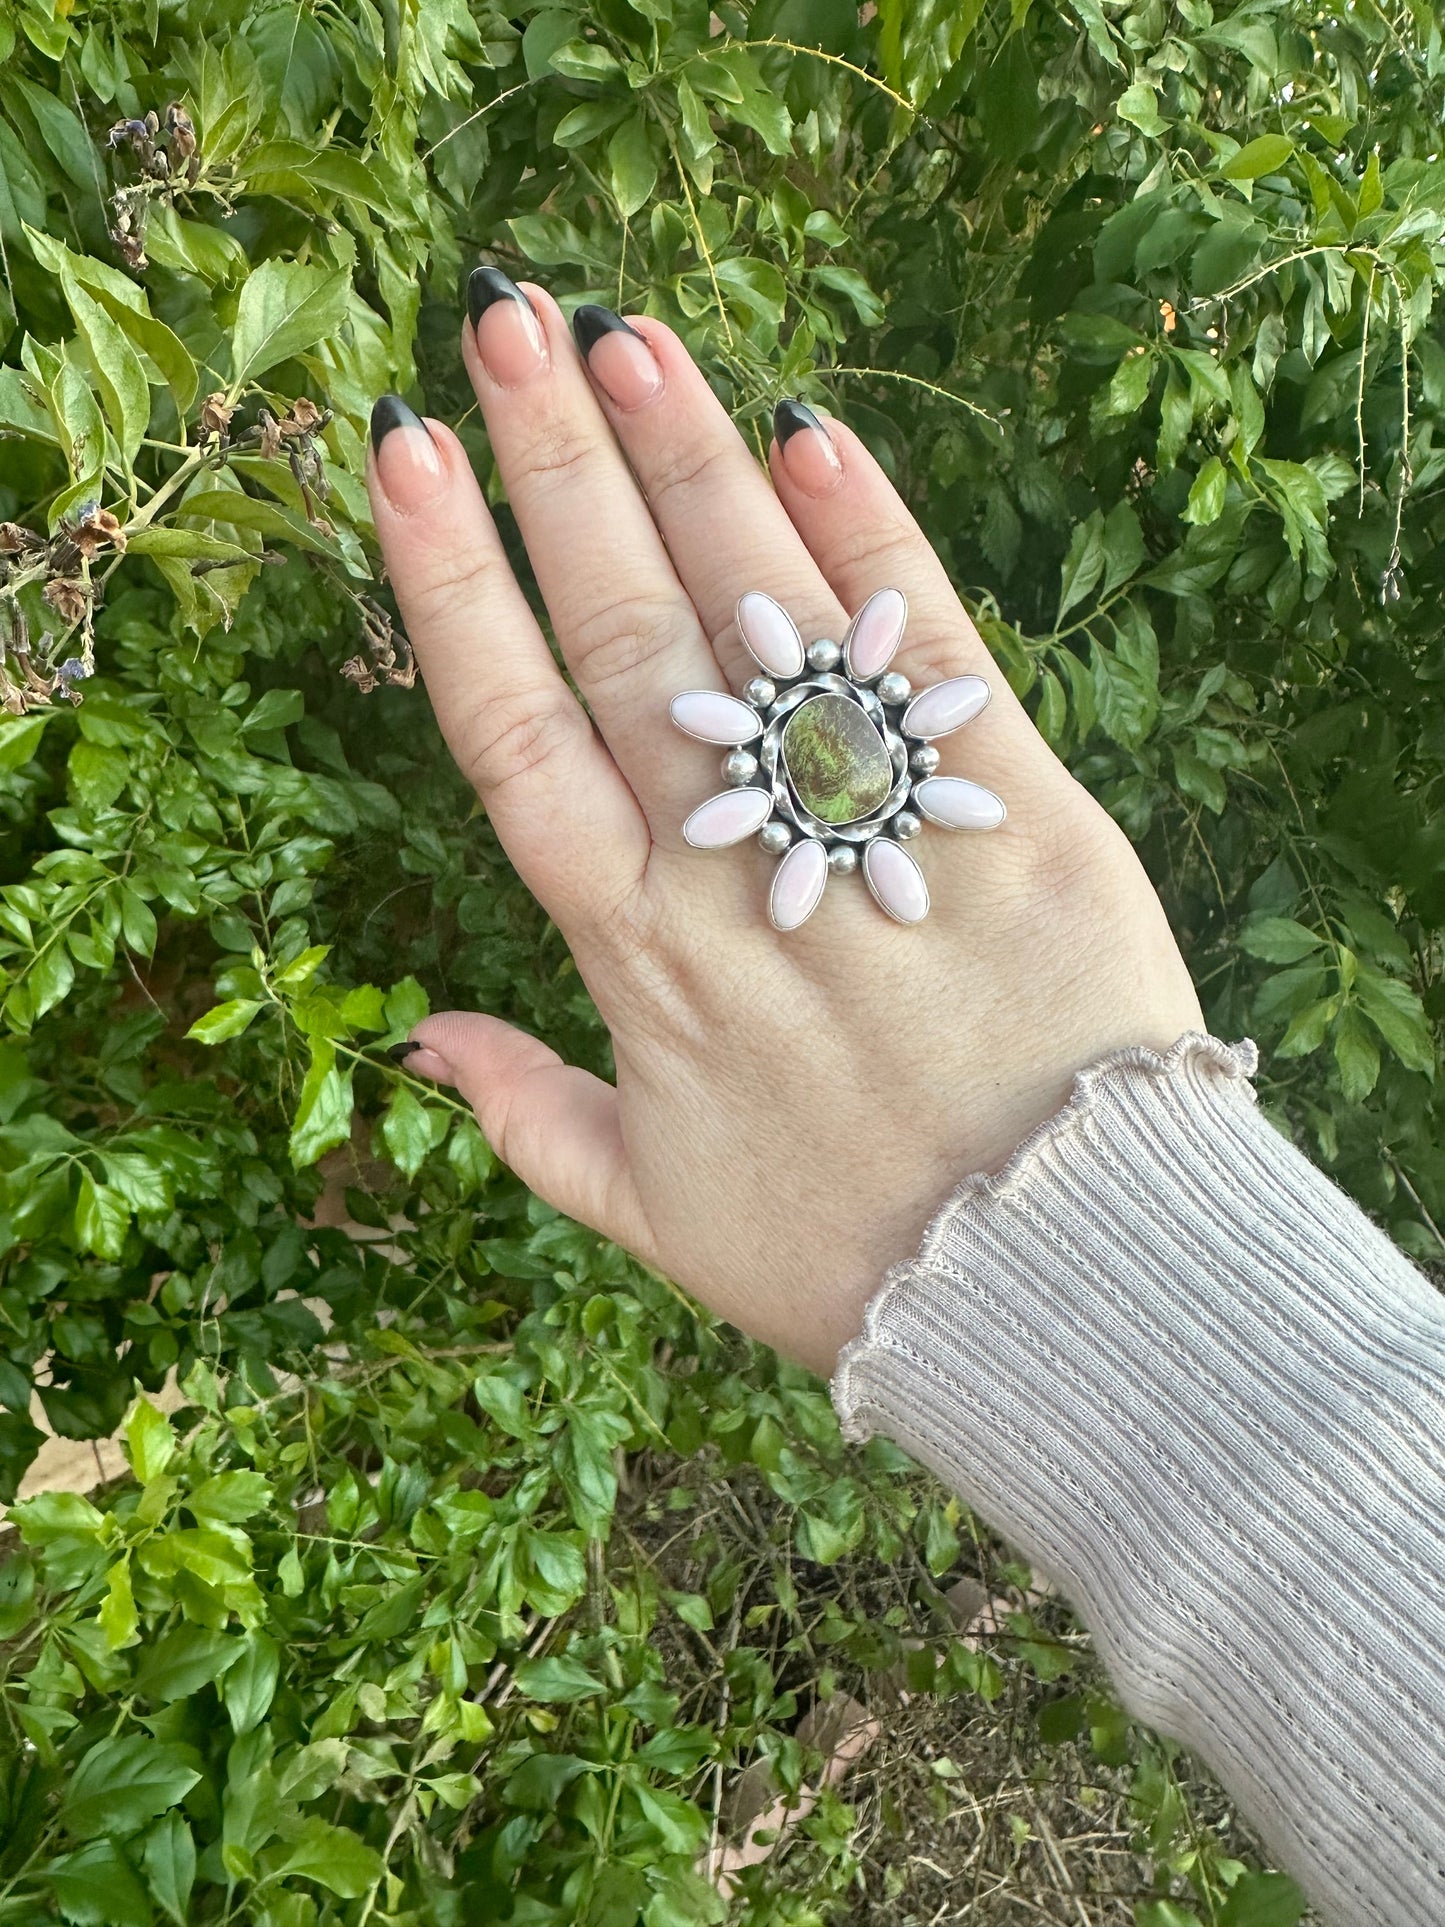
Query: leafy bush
(425, 1605)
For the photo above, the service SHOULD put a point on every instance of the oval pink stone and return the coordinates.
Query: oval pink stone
(715, 718)
(957, 804)
(946, 706)
(771, 634)
(798, 884)
(875, 633)
(726, 819)
(895, 880)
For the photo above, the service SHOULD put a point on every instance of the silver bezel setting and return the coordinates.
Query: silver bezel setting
(900, 816)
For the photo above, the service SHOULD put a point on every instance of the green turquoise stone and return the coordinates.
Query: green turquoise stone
(836, 761)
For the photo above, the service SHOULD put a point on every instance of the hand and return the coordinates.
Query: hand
(790, 1110)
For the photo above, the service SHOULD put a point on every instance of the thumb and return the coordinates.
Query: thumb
(557, 1126)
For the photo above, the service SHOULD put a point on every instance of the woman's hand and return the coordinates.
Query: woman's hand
(790, 1110)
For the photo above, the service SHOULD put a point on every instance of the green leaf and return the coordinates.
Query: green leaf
(249, 1686)
(285, 308)
(1398, 1015)
(277, 709)
(118, 371)
(98, 773)
(504, 1403)
(52, 1517)
(97, 1887)
(1262, 1900)
(555, 1679)
(1278, 939)
(323, 1112)
(409, 1129)
(1083, 568)
(331, 1857)
(1356, 1055)
(169, 1858)
(633, 165)
(1206, 495)
(541, 1780)
(1266, 155)
(1139, 104)
(123, 1782)
(229, 1495)
(102, 1218)
(226, 1020)
(150, 1440)
(63, 133)
(117, 1615)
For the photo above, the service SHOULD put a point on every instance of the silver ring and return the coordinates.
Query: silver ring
(830, 760)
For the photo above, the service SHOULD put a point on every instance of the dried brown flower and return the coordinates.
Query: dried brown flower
(270, 435)
(94, 530)
(216, 413)
(181, 130)
(14, 539)
(67, 598)
(304, 419)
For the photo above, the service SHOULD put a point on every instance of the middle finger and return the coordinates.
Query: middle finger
(626, 626)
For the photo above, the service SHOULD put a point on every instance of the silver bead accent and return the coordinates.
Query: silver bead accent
(775, 837)
(824, 655)
(924, 760)
(842, 859)
(739, 766)
(761, 692)
(893, 688)
(906, 825)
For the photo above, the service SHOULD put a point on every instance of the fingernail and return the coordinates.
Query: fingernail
(422, 1061)
(807, 448)
(617, 355)
(509, 335)
(408, 462)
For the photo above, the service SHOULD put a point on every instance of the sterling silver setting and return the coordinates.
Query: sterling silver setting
(765, 797)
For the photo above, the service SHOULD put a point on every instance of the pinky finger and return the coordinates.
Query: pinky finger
(555, 1125)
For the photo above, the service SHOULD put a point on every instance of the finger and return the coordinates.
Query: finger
(724, 527)
(626, 627)
(863, 538)
(556, 1126)
(562, 810)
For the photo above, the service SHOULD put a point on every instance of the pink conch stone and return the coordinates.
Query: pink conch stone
(958, 804)
(895, 880)
(715, 718)
(727, 819)
(946, 706)
(770, 633)
(875, 634)
(798, 884)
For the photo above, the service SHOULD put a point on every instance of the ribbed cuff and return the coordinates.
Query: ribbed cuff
(1187, 1378)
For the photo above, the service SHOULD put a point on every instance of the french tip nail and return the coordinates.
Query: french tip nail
(398, 1053)
(591, 321)
(388, 412)
(486, 285)
(789, 415)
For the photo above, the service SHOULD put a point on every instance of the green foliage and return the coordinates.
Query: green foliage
(390, 1624)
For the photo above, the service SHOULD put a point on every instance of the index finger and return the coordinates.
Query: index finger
(561, 807)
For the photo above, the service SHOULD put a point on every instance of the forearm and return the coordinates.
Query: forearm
(1193, 1384)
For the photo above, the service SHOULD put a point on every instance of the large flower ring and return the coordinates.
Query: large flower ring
(845, 772)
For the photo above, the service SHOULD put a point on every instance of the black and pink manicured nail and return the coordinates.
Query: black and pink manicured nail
(806, 448)
(619, 359)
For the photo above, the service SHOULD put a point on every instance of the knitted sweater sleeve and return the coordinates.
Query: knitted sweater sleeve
(1205, 1396)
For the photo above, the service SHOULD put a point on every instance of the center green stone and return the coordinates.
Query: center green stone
(836, 760)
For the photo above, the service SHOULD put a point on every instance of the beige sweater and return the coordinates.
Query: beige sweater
(1201, 1392)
